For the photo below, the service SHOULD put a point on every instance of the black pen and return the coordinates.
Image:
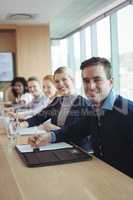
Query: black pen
(36, 149)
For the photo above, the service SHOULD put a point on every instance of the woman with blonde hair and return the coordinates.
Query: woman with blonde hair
(49, 88)
(66, 109)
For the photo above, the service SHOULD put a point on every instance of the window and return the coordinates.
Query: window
(103, 38)
(55, 54)
(76, 38)
(125, 38)
(59, 53)
(88, 42)
(78, 81)
(63, 52)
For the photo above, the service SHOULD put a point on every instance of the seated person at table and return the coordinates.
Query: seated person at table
(18, 93)
(49, 88)
(50, 91)
(110, 121)
(38, 102)
(66, 109)
(35, 89)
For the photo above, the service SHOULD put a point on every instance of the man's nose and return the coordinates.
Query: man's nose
(91, 84)
(31, 89)
(45, 90)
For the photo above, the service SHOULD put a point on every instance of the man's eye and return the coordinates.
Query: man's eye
(86, 82)
(97, 80)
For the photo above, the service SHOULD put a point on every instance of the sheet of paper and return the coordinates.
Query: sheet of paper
(60, 145)
(30, 131)
(24, 148)
(27, 148)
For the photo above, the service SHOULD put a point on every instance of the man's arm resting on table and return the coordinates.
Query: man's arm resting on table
(74, 132)
(70, 134)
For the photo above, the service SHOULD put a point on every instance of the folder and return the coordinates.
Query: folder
(52, 154)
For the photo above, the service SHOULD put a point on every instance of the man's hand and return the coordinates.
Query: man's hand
(11, 114)
(48, 126)
(24, 124)
(39, 140)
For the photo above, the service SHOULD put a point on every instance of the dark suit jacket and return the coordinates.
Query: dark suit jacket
(112, 135)
(77, 111)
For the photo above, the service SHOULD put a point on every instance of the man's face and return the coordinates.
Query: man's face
(34, 88)
(96, 84)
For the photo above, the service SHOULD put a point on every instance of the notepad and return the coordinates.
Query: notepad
(27, 148)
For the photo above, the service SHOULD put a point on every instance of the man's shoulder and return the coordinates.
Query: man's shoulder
(120, 99)
(79, 97)
(123, 103)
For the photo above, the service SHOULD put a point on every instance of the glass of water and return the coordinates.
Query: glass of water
(1, 103)
(12, 132)
(1, 109)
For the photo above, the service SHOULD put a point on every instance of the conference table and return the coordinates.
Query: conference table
(88, 180)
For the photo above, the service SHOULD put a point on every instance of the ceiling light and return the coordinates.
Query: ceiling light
(21, 16)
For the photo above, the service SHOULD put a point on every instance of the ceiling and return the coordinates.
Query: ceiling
(63, 16)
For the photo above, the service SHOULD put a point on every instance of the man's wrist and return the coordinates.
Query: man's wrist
(53, 137)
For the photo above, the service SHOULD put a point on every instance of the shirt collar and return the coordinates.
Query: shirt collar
(109, 101)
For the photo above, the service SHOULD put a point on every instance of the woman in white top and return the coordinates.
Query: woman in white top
(18, 93)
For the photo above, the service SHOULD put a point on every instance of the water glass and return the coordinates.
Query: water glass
(1, 109)
(12, 132)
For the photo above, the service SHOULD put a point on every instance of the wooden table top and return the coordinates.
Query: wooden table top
(88, 180)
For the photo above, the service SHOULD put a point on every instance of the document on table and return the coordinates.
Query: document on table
(25, 148)
(30, 131)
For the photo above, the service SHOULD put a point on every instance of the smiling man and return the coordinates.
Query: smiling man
(97, 80)
(109, 122)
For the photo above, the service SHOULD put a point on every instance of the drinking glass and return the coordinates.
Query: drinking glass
(12, 132)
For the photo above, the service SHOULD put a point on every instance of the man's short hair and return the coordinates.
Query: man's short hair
(33, 78)
(94, 61)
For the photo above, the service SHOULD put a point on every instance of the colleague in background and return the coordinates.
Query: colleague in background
(66, 109)
(49, 88)
(18, 94)
(110, 121)
(39, 99)
(38, 103)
